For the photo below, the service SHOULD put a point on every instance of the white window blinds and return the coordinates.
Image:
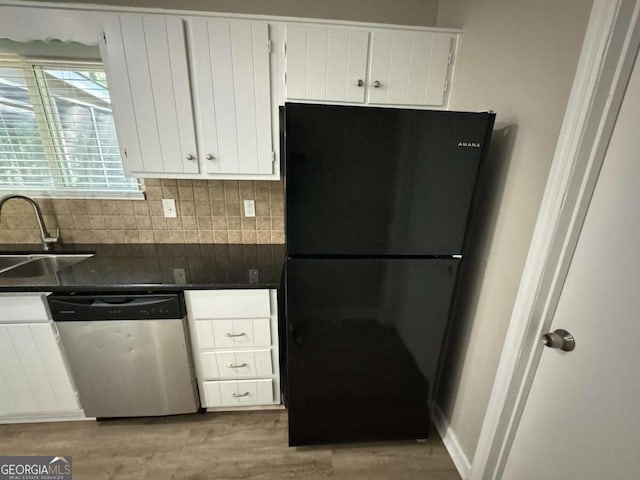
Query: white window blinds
(57, 136)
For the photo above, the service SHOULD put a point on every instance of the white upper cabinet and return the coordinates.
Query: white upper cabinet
(376, 66)
(409, 68)
(197, 96)
(191, 97)
(145, 59)
(326, 63)
(232, 96)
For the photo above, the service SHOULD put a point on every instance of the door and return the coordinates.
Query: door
(232, 95)
(33, 375)
(145, 60)
(409, 68)
(326, 63)
(581, 417)
(363, 343)
(377, 181)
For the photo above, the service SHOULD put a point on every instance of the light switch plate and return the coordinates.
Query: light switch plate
(169, 206)
(249, 208)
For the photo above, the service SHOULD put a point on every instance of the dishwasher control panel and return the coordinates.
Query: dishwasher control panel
(90, 307)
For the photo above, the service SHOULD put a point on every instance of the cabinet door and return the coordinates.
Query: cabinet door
(232, 94)
(209, 304)
(325, 63)
(409, 68)
(229, 364)
(227, 333)
(145, 60)
(33, 375)
(237, 394)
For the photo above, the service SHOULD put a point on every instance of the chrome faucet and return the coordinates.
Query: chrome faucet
(47, 240)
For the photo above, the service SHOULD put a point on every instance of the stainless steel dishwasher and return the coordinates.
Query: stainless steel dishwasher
(129, 354)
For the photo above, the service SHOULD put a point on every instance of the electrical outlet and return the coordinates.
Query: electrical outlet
(180, 276)
(254, 276)
(249, 208)
(169, 206)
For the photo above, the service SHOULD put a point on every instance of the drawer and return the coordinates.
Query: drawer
(248, 363)
(23, 307)
(233, 333)
(207, 304)
(238, 394)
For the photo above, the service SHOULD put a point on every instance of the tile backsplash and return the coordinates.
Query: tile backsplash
(208, 212)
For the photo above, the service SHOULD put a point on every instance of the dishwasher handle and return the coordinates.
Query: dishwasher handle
(129, 302)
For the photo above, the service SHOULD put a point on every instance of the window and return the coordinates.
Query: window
(57, 136)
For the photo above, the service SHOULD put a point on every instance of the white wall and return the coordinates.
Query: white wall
(406, 12)
(518, 58)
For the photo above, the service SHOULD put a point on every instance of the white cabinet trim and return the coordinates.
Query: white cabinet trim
(20, 31)
(27, 22)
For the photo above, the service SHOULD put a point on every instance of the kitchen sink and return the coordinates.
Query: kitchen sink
(9, 261)
(37, 265)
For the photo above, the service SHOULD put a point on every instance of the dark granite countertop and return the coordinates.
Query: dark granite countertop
(160, 267)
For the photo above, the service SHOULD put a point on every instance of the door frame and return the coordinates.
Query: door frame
(604, 67)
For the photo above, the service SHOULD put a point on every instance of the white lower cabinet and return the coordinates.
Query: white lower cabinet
(236, 357)
(238, 394)
(233, 333)
(238, 364)
(34, 380)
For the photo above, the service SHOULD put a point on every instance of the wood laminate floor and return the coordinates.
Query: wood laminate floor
(221, 446)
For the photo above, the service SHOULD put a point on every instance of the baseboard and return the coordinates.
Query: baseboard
(245, 409)
(72, 416)
(450, 441)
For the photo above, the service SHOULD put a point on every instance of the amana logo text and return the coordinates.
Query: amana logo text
(469, 144)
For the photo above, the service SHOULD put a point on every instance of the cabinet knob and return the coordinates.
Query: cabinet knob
(377, 84)
(360, 82)
(210, 157)
(190, 157)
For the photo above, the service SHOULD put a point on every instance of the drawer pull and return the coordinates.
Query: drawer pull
(236, 365)
(238, 395)
(231, 335)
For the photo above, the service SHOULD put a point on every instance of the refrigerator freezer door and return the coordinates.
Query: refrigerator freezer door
(379, 181)
(363, 341)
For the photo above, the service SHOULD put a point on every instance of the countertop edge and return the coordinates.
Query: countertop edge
(131, 287)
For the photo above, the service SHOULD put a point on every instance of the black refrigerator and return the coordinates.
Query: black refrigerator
(376, 207)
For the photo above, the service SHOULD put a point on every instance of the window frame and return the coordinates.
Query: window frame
(52, 142)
